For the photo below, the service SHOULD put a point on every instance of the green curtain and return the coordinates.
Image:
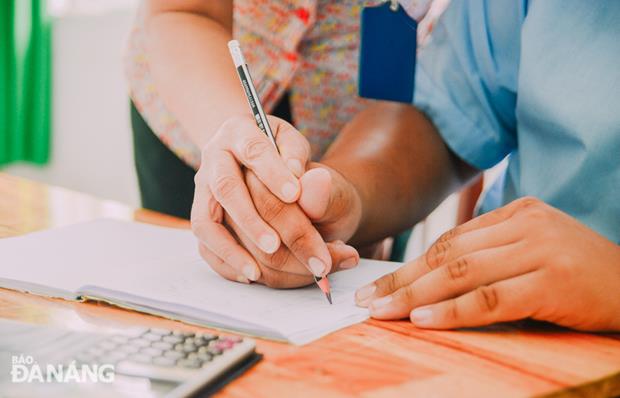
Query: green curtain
(25, 75)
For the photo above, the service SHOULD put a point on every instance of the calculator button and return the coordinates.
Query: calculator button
(128, 348)
(151, 337)
(112, 357)
(162, 345)
(174, 354)
(192, 356)
(172, 339)
(140, 342)
(161, 332)
(224, 345)
(141, 358)
(94, 351)
(85, 357)
(107, 345)
(204, 356)
(189, 363)
(151, 351)
(119, 339)
(164, 361)
(189, 348)
(214, 351)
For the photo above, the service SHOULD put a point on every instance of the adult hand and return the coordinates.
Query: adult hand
(526, 259)
(331, 202)
(221, 189)
(281, 269)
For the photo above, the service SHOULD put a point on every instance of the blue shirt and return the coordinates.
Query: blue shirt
(539, 81)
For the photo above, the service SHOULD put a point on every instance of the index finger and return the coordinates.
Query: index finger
(294, 228)
(503, 301)
(294, 147)
(251, 147)
(487, 232)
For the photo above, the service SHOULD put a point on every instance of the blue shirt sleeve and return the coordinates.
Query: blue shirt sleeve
(467, 75)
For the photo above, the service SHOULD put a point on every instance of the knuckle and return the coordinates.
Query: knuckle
(271, 208)
(225, 252)
(279, 259)
(452, 314)
(254, 148)
(225, 186)
(438, 252)
(298, 239)
(388, 282)
(487, 298)
(407, 294)
(458, 269)
(529, 202)
(497, 215)
(249, 220)
(535, 215)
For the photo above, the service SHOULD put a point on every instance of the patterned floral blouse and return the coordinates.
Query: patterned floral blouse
(306, 47)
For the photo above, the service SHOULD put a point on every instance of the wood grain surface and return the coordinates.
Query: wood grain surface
(372, 359)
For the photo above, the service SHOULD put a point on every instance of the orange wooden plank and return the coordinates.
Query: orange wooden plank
(373, 359)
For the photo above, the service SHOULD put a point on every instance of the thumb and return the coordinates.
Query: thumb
(316, 186)
(331, 202)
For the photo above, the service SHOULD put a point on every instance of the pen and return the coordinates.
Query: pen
(261, 121)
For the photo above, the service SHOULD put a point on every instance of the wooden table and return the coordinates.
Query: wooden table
(373, 359)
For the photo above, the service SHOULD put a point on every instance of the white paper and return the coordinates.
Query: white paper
(159, 270)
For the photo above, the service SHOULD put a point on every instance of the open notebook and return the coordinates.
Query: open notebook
(158, 271)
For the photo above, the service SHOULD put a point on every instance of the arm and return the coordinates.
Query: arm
(193, 72)
(189, 60)
(399, 165)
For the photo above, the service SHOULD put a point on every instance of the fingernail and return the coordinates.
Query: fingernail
(422, 316)
(364, 293)
(379, 303)
(349, 263)
(295, 166)
(289, 191)
(242, 279)
(268, 243)
(250, 272)
(316, 266)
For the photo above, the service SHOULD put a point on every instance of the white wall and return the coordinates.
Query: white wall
(92, 146)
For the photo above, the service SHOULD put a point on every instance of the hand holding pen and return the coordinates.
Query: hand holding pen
(270, 240)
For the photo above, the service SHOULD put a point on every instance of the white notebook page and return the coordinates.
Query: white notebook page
(161, 267)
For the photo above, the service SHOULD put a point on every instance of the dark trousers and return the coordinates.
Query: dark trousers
(166, 182)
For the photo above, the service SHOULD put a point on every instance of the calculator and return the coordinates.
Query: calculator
(167, 363)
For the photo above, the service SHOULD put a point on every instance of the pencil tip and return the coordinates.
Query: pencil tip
(329, 297)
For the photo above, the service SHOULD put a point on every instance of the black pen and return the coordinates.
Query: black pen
(261, 121)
